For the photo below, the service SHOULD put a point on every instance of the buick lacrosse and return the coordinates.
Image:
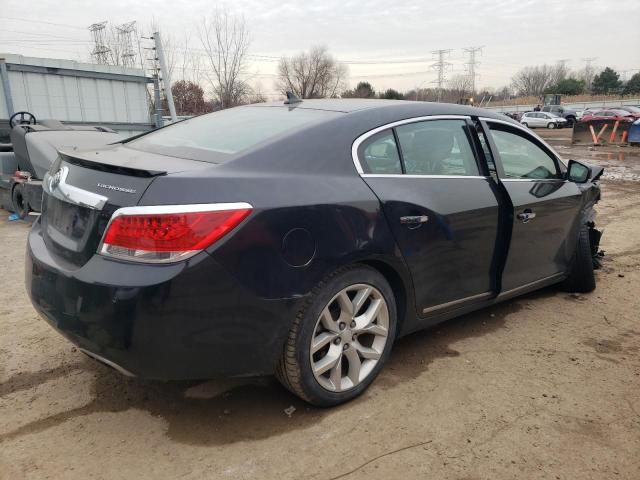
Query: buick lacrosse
(302, 238)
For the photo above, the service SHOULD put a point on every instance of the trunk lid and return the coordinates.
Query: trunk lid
(84, 188)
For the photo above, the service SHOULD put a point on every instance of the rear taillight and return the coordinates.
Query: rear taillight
(160, 234)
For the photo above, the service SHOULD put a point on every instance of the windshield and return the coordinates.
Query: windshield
(216, 136)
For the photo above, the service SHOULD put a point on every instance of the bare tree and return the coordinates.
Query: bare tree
(313, 74)
(586, 75)
(190, 63)
(225, 39)
(504, 93)
(558, 73)
(459, 87)
(533, 80)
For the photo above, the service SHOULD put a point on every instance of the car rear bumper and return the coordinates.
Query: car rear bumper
(190, 320)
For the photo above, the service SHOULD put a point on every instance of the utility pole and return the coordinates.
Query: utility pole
(472, 64)
(166, 78)
(440, 66)
(100, 50)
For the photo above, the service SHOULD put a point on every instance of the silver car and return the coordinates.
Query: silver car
(543, 120)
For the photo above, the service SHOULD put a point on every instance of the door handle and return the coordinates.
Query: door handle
(526, 216)
(414, 220)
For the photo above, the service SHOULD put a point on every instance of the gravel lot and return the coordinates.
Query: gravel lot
(545, 386)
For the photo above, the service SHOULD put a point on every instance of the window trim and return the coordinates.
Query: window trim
(358, 141)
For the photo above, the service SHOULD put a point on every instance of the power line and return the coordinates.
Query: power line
(41, 21)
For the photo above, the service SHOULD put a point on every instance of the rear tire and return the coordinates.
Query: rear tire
(581, 278)
(19, 200)
(355, 335)
(551, 125)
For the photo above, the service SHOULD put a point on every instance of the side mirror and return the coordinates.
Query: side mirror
(578, 172)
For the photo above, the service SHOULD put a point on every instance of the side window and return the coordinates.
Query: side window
(379, 154)
(521, 157)
(437, 147)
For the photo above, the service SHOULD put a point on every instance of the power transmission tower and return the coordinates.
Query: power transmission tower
(440, 66)
(125, 34)
(100, 51)
(472, 64)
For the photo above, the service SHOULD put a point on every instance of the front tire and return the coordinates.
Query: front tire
(341, 338)
(525, 124)
(581, 278)
(551, 125)
(19, 200)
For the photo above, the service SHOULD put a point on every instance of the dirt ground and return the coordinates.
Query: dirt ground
(546, 386)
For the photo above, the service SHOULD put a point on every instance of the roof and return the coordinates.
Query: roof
(352, 105)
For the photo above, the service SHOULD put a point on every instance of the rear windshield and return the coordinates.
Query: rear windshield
(216, 136)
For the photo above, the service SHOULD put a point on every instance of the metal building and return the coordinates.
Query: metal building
(73, 92)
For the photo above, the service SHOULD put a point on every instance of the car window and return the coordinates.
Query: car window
(437, 147)
(521, 157)
(379, 154)
(216, 136)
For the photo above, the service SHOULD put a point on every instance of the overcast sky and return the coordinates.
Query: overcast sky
(368, 35)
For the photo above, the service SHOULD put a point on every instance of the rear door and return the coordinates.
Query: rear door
(440, 204)
(545, 207)
(534, 119)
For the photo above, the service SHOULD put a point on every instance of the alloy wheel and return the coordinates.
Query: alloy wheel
(349, 337)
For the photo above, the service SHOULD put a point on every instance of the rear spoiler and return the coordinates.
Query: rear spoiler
(105, 165)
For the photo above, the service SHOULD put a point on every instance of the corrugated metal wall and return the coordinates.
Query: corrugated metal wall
(76, 99)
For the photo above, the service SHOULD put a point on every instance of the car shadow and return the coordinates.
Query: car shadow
(233, 410)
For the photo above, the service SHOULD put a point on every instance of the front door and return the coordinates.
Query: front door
(545, 207)
(441, 207)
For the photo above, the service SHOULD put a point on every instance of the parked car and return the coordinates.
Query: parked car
(542, 120)
(610, 114)
(635, 111)
(302, 239)
(568, 114)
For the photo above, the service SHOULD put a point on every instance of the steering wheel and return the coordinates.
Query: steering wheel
(26, 118)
